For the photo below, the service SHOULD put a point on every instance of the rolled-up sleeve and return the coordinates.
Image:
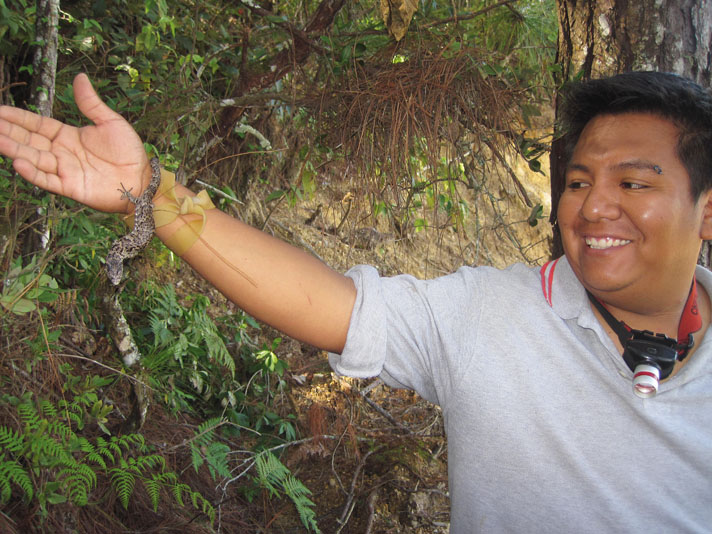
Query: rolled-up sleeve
(365, 349)
(412, 333)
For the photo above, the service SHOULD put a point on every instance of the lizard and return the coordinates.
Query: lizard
(131, 244)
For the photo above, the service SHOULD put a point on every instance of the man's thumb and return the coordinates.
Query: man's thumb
(89, 102)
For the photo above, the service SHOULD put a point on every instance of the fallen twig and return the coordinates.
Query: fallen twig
(350, 504)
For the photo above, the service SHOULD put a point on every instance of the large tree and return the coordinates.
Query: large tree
(605, 37)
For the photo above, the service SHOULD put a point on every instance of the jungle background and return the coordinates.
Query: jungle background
(413, 136)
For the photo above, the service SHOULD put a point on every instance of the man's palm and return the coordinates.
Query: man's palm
(88, 164)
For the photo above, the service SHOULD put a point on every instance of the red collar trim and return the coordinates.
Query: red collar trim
(547, 279)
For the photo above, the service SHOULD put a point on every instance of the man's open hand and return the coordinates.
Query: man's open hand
(89, 164)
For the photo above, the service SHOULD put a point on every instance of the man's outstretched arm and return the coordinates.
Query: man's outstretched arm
(271, 280)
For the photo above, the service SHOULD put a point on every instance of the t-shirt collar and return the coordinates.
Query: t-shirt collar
(567, 296)
(562, 290)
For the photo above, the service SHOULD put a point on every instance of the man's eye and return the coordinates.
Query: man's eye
(574, 185)
(633, 185)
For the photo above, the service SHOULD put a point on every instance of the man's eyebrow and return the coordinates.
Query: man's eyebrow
(577, 167)
(642, 164)
(632, 164)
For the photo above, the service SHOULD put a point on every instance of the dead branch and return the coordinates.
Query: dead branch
(467, 16)
(350, 504)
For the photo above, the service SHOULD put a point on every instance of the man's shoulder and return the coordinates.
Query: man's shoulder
(515, 280)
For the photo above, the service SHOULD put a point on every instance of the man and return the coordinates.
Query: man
(544, 430)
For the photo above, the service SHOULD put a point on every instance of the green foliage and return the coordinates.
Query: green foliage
(26, 286)
(16, 25)
(276, 478)
(188, 346)
(84, 238)
(48, 461)
(204, 449)
(201, 364)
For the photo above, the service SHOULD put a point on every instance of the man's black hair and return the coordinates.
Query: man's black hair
(672, 97)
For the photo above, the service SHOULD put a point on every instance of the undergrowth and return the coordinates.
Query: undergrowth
(64, 445)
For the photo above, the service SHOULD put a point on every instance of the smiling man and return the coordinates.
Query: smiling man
(630, 225)
(566, 403)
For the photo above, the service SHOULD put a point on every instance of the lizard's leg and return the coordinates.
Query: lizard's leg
(126, 193)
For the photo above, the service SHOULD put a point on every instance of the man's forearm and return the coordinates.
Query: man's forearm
(271, 280)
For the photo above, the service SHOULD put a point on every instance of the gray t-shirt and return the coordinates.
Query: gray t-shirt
(544, 431)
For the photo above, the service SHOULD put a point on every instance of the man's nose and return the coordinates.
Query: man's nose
(601, 202)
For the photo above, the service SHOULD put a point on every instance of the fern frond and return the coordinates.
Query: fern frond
(133, 440)
(96, 458)
(76, 418)
(216, 455)
(47, 409)
(167, 477)
(5, 490)
(48, 452)
(85, 445)
(205, 506)
(271, 471)
(196, 456)
(11, 440)
(79, 481)
(28, 416)
(103, 449)
(150, 462)
(12, 472)
(273, 474)
(203, 448)
(123, 483)
(206, 430)
(153, 488)
(178, 490)
(297, 491)
(57, 427)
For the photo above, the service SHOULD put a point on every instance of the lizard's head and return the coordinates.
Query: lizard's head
(114, 269)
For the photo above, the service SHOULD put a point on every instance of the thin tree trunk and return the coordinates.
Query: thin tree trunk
(44, 62)
(44, 65)
(605, 37)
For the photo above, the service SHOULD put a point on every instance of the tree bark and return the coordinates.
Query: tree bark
(605, 37)
(44, 65)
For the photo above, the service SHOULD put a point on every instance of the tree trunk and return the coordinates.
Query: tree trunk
(44, 62)
(44, 65)
(605, 37)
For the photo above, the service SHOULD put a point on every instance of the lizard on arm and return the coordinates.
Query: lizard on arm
(283, 286)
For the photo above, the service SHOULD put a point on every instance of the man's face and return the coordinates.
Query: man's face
(630, 228)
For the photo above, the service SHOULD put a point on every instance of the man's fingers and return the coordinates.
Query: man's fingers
(89, 102)
(34, 149)
(19, 137)
(16, 135)
(30, 172)
(16, 121)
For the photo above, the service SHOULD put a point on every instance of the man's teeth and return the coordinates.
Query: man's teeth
(605, 242)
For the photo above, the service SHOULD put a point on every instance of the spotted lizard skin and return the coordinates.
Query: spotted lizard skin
(131, 244)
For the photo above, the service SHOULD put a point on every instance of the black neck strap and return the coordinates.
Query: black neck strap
(689, 323)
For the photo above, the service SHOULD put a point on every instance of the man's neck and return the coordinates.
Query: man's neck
(664, 322)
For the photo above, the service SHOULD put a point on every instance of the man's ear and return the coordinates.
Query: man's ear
(706, 227)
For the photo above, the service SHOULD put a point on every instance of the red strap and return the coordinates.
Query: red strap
(690, 321)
